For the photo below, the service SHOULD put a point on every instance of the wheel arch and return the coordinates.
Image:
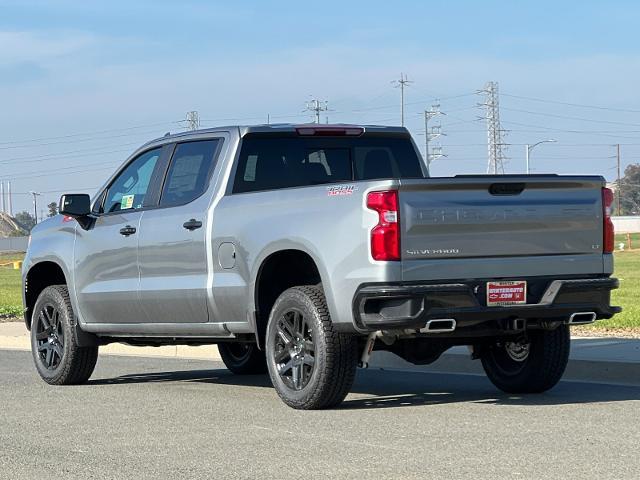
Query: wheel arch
(40, 276)
(278, 271)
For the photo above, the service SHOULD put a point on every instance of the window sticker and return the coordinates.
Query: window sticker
(126, 202)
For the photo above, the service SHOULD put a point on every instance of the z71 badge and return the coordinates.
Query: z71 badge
(341, 190)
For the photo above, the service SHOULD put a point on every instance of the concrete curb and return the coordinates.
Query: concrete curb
(595, 360)
(204, 352)
(598, 371)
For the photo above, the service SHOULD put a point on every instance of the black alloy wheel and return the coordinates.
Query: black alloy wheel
(294, 352)
(49, 336)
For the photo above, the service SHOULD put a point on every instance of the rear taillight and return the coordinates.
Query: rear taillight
(385, 236)
(607, 227)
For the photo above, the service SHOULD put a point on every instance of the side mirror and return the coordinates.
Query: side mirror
(75, 205)
(78, 206)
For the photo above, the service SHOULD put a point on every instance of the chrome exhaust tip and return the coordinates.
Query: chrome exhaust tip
(439, 325)
(582, 318)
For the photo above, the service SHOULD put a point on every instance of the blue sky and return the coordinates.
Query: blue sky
(96, 79)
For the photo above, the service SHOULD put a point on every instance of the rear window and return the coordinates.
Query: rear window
(269, 162)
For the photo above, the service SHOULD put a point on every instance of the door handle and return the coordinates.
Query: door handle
(128, 230)
(192, 224)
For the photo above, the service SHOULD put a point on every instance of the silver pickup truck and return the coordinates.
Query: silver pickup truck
(299, 250)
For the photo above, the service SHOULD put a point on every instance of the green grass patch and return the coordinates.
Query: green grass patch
(622, 238)
(10, 287)
(627, 270)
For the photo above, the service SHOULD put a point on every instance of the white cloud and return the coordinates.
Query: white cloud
(41, 47)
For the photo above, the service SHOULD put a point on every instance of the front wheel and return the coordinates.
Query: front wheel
(58, 358)
(528, 365)
(310, 364)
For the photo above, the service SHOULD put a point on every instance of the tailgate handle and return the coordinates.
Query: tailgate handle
(506, 188)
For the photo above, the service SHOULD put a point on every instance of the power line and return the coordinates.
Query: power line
(581, 105)
(80, 140)
(58, 172)
(98, 132)
(70, 167)
(567, 117)
(59, 191)
(69, 154)
(580, 132)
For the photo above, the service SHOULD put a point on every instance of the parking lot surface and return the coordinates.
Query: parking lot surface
(170, 418)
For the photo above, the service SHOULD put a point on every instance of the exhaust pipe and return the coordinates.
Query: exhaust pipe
(439, 325)
(517, 324)
(582, 318)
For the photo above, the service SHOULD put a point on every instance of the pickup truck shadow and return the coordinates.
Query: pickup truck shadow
(376, 389)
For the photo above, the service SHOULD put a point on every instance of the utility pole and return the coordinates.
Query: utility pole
(619, 212)
(401, 84)
(495, 144)
(431, 134)
(193, 120)
(2, 196)
(35, 205)
(10, 206)
(317, 106)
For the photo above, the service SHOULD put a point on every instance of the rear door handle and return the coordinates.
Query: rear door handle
(192, 224)
(128, 230)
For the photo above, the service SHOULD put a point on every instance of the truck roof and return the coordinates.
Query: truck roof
(274, 128)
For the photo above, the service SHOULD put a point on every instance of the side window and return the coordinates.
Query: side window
(128, 190)
(189, 172)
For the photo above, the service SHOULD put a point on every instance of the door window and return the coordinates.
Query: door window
(189, 172)
(129, 189)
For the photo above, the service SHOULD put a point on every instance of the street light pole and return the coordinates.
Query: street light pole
(528, 148)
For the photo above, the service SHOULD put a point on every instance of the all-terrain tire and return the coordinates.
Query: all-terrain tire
(542, 368)
(243, 358)
(70, 364)
(335, 355)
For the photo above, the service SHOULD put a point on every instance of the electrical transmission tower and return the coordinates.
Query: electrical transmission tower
(432, 133)
(193, 120)
(317, 106)
(401, 84)
(495, 142)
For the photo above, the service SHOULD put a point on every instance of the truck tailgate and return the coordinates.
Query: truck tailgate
(500, 220)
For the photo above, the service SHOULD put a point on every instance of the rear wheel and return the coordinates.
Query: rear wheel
(57, 356)
(243, 358)
(531, 364)
(310, 364)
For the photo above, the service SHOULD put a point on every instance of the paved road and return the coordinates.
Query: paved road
(169, 418)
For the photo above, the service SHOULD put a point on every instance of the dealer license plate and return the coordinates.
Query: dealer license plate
(506, 293)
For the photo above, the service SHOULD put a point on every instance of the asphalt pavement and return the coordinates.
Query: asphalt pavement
(174, 418)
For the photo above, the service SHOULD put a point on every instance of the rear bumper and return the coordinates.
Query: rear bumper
(400, 305)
